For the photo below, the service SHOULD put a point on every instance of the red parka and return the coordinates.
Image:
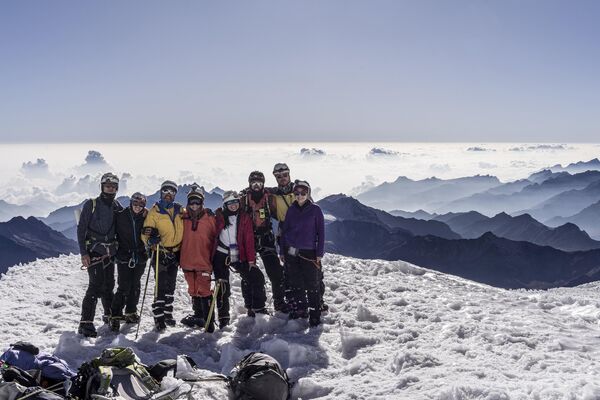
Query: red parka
(199, 239)
(245, 235)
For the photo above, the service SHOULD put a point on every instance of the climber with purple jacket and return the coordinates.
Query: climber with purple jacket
(302, 246)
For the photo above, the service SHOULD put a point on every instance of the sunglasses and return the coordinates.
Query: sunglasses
(168, 190)
(195, 203)
(300, 193)
(232, 202)
(281, 174)
(111, 185)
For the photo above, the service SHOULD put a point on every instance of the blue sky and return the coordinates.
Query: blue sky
(481, 71)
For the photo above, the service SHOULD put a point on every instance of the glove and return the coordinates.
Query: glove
(154, 240)
(85, 261)
(149, 231)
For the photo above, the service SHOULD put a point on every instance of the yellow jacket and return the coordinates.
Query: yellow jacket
(169, 224)
(283, 202)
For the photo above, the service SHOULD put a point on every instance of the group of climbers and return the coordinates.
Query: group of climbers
(206, 245)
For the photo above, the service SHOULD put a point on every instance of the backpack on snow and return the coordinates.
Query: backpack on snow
(259, 376)
(117, 372)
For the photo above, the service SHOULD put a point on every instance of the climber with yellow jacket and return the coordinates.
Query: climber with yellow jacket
(163, 231)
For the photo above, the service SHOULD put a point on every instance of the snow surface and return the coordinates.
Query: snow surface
(394, 331)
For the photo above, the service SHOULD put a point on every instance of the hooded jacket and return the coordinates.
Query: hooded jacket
(304, 228)
(245, 235)
(199, 238)
(128, 226)
(169, 224)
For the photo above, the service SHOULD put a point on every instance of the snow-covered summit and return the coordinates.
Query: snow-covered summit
(394, 331)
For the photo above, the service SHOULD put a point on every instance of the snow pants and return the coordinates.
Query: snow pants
(166, 278)
(100, 286)
(221, 271)
(305, 288)
(128, 289)
(198, 282)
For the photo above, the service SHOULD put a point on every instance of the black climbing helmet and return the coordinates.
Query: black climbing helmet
(137, 199)
(109, 177)
(256, 176)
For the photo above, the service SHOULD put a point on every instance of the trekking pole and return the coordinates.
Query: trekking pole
(144, 297)
(212, 305)
(156, 273)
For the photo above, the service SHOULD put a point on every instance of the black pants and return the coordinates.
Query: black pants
(128, 289)
(100, 286)
(168, 264)
(274, 270)
(305, 288)
(221, 271)
(253, 285)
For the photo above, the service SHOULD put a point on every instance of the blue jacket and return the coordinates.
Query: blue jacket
(304, 228)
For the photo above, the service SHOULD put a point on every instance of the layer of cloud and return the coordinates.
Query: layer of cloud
(477, 148)
(369, 183)
(37, 169)
(312, 152)
(380, 151)
(440, 168)
(486, 165)
(94, 162)
(540, 147)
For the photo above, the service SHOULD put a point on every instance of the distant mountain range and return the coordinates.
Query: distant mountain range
(567, 237)
(588, 219)
(356, 230)
(408, 194)
(500, 262)
(544, 195)
(347, 208)
(24, 240)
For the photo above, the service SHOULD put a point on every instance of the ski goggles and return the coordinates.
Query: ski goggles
(195, 202)
(299, 193)
(168, 190)
(257, 184)
(232, 202)
(138, 203)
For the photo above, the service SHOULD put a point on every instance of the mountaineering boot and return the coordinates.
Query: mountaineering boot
(298, 314)
(159, 324)
(192, 321)
(132, 318)
(281, 306)
(223, 322)
(115, 324)
(324, 308)
(195, 320)
(314, 318)
(170, 322)
(87, 329)
(106, 318)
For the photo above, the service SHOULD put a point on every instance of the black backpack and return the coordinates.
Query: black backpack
(259, 376)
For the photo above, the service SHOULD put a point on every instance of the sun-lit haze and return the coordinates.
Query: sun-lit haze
(65, 177)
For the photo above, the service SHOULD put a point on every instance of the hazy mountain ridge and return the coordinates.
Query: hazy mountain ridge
(24, 240)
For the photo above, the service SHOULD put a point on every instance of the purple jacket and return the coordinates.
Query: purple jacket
(304, 228)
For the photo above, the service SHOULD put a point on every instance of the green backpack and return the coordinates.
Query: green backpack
(118, 372)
